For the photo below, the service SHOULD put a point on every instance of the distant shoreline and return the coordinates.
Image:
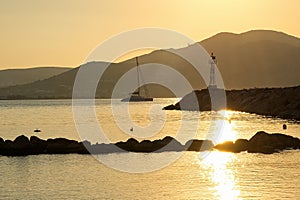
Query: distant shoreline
(274, 102)
(24, 97)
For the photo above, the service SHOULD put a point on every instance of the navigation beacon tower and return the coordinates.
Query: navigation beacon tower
(212, 80)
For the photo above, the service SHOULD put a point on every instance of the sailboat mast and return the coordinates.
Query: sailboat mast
(138, 74)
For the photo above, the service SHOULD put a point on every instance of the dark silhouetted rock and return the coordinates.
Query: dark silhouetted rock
(198, 145)
(2, 143)
(21, 146)
(261, 142)
(236, 147)
(168, 144)
(129, 145)
(61, 146)
(38, 145)
(144, 146)
(7, 148)
(84, 147)
(172, 107)
(241, 145)
(225, 146)
(21, 140)
(275, 102)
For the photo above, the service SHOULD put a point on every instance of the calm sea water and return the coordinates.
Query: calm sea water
(217, 175)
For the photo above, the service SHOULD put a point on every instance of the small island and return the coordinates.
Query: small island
(261, 142)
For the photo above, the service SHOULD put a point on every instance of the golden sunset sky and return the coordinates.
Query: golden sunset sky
(63, 32)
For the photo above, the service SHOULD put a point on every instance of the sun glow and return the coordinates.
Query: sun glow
(225, 127)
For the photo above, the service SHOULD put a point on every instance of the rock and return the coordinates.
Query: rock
(7, 148)
(169, 144)
(198, 145)
(170, 107)
(61, 146)
(263, 142)
(38, 145)
(22, 139)
(21, 146)
(235, 147)
(1, 141)
(241, 145)
(166, 144)
(144, 146)
(129, 145)
(225, 146)
(84, 147)
(275, 102)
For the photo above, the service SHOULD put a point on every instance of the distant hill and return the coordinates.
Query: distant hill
(11, 77)
(258, 58)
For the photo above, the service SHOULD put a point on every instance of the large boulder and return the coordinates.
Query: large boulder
(38, 145)
(168, 144)
(172, 107)
(144, 146)
(236, 147)
(198, 145)
(129, 145)
(263, 142)
(21, 146)
(84, 147)
(241, 145)
(62, 146)
(6, 148)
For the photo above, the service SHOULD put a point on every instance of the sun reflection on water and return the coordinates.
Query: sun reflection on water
(221, 176)
(225, 127)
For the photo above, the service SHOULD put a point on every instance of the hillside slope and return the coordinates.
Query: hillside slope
(11, 77)
(258, 58)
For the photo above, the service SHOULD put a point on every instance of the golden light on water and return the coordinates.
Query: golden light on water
(225, 127)
(221, 176)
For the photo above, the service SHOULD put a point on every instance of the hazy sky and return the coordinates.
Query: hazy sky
(63, 32)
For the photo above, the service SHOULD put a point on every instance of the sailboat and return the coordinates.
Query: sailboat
(136, 96)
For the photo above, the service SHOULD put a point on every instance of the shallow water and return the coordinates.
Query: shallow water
(216, 175)
(55, 119)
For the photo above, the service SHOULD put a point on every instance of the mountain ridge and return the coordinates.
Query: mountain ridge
(10, 77)
(256, 58)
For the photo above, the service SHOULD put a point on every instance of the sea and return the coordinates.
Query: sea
(165, 175)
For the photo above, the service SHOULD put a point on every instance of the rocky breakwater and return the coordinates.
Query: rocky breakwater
(275, 102)
(23, 146)
(261, 142)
